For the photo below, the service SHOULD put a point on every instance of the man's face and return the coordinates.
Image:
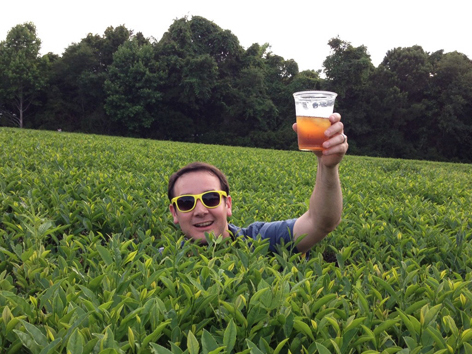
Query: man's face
(194, 224)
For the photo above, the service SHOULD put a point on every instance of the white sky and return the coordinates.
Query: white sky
(298, 30)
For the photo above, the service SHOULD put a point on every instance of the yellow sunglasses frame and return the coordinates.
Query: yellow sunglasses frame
(197, 197)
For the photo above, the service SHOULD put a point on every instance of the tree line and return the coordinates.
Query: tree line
(198, 84)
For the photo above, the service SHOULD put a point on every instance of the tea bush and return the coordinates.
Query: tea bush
(90, 261)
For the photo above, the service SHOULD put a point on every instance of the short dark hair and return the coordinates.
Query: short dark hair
(193, 167)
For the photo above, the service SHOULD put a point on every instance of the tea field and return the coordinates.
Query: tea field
(83, 219)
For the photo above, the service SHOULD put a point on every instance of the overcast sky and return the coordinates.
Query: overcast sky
(298, 30)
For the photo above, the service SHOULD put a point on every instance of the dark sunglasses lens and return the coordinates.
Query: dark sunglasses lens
(211, 199)
(185, 203)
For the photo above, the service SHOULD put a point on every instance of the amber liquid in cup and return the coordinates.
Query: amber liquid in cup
(310, 132)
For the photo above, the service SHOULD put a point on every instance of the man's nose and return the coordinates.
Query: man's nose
(200, 208)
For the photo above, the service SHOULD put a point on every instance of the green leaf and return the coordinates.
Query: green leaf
(192, 343)
(12, 323)
(288, 325)
(38, 337)
(438, 339)
(44, 227)
(51, 347)
(131, 339)
(410, 323)
(417, 305)
(217, 350)
(27, 254)
(9, 254)
(208, 342)
(204, 303)
(322, 349)
(46, 296)
(77, 322)
(158, 349)
(354, 324)
(369, 336)
(6, 314)
(347, 337)
(176, 350)
(450, 323)
(229, 337)
(130, 257)
(410, 342)
(324, 300)
(384, 326)
(363, 339)
(335, 344)
(430, 314)
(95, 282)
(253, 348)
(333, 323)
(467, 348)
(302, 327)
(108, 340)
(169, 285)
(466, 336)
(386, 286)
(155, 334)
(75, 344)
(362, 301)
(280, 346)
(105, 254)
(109, 351)
(257, 295)
(27, 341)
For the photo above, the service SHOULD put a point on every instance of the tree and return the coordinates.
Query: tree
(452, 94)
(21, 69)
(278, 77)
(132, 87)
(306, 80)
(200, 61)
(407, 109)
(412, 69)
(76, 96)
(347, 71)
(347, 68)
(249, 105)
(253, 106)
(379, 132)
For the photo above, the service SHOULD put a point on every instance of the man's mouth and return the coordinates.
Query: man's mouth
(204, 224)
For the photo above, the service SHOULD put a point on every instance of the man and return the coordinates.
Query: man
(200, 200)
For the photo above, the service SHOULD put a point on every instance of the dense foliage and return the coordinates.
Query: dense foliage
(198, 84)
(83, 219)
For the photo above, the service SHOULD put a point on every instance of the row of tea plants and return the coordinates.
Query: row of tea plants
(90, 261)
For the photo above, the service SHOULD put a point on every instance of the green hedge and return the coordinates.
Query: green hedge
(90, 261)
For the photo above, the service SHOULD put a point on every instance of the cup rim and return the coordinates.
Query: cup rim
(317, 94)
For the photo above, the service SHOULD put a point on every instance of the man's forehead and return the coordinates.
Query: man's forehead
(196, 182)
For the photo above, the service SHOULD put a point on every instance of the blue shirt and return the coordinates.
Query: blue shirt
(278, 232)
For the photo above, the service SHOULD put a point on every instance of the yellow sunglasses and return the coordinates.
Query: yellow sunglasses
(187, 202)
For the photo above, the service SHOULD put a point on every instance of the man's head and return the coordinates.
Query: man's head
(195, 179)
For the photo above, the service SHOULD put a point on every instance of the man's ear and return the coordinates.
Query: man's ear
(229, 205)
(174, 213)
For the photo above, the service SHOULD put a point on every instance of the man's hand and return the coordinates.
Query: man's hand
(336, 145)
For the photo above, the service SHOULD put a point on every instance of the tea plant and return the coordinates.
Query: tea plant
(90, 261)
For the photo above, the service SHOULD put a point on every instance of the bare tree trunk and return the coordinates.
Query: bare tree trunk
(20, 102)
(21, 112)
